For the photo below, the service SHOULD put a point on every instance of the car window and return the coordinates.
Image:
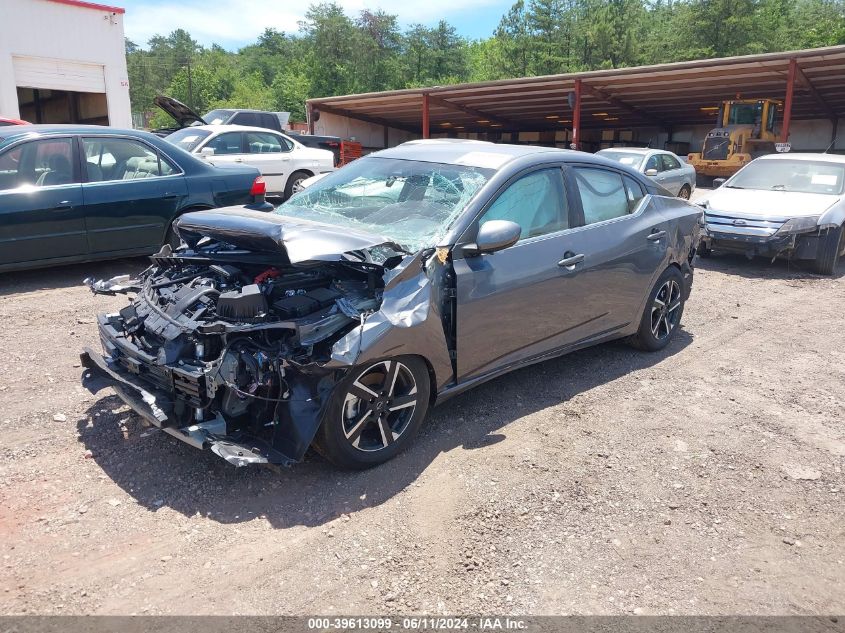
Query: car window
(247, 118)
(270, 121)
(537, 202)
(653, 163)
(38, 163)
(604, 195)
(228, 143)
(634, 192)
(111, 159)
(670, 162)
(264, 143)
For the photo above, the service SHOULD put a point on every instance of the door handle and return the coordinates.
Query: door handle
(570, 259)
(63, 205)
(169, 195)
(239, 160)
(654, 236)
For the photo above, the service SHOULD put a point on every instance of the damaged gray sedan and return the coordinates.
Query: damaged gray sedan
(407, 277)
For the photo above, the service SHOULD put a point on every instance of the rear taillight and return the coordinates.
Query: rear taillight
(259, 187)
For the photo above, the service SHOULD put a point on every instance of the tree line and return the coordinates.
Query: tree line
(334, 53)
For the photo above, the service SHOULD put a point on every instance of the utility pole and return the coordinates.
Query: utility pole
(190, 86)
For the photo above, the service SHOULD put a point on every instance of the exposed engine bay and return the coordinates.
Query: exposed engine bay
(221, 341)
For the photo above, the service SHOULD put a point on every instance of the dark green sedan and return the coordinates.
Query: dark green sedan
(81, 193)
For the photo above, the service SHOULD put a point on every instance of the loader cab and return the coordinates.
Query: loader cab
(760, 114)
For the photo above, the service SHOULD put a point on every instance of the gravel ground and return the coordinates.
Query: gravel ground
(705, 479)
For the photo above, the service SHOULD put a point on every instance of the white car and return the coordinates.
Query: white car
(780, 204)
(282, 161)
(661, 166)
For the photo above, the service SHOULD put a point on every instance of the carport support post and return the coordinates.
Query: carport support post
(310, 117)
(787, 104)
(576, 116)
(425, 132)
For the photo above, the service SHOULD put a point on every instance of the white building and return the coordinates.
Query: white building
(63, 61)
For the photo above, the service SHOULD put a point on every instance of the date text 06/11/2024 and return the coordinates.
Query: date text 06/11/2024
(418, 623)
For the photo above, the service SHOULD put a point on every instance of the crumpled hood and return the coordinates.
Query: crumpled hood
(772, 205)
(296, 240)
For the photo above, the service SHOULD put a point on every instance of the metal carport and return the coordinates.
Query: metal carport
(810, 82)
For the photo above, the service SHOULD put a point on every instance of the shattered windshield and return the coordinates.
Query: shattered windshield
(803, 176)
(411, 202)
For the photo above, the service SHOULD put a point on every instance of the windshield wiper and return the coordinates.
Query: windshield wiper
(733, 187)
(778, 187)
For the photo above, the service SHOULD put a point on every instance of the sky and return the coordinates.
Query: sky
(235, 23)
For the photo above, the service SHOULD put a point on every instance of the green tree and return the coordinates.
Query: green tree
(515, 42)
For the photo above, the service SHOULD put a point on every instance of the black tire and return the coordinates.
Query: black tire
(663, 311)
(293, 182)
(361, 428)
(704, 251)
(685, 192)
(830, 247)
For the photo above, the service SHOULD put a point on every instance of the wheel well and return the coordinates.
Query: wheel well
(301, 171)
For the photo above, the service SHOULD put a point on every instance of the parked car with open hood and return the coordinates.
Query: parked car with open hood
(283, 162)
(664, 167)
(185, 116)
(341, 318)
(781, 204)
(71, 193)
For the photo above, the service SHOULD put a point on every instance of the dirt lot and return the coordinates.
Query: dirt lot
(706, 479)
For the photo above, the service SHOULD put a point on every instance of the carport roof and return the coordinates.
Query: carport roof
(680, 93)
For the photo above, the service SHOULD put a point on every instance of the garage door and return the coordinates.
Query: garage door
(57, 74)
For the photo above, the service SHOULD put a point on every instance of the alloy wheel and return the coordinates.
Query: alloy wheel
(297, 185)
(665, 309)
(379, 406)
(684, 193)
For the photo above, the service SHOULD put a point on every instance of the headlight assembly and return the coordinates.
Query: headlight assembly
(799, 225)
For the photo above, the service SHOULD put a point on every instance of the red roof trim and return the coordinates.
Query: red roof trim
(91, 5)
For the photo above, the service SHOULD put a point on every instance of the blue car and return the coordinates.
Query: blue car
(72, 193)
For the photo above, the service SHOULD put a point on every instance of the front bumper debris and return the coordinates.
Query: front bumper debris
(797, 245)
(156, 407)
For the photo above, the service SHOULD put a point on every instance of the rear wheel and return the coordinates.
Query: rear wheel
(295, 183)
(685, 192)
(375, 412)
(663, 312)
(830, 248)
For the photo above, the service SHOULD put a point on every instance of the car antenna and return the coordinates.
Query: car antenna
(832, 143)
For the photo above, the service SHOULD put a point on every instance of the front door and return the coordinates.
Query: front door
(41, 210)
(131, 194)
(517, 303)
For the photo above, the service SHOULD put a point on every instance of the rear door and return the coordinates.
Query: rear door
(271, 155)
(41, 205)
(673, 173)
(623, 239)
(131, 194)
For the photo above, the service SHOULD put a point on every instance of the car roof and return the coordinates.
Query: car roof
(828, 158)
(467, 152)
(634, 150)
(34, 131)
(223, 127)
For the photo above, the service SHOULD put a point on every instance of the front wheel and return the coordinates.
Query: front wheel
(685, 192)
(830, 248)
(663, 312)
(375, 412)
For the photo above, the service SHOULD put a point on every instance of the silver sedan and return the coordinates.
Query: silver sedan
(663, 167)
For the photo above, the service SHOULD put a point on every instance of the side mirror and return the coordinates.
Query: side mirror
(494, 235)
(650, 172)
(718, 182)
(205, 152)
